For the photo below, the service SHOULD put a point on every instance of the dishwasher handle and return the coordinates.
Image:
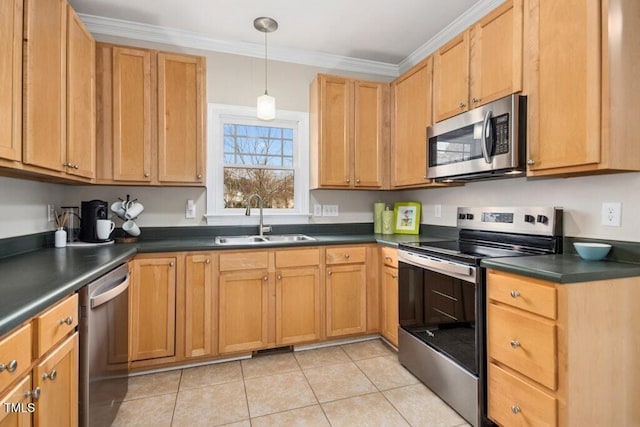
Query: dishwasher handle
(120, 286)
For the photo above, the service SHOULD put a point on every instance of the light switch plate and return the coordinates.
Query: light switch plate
(190, 212)
(330, 210)
(317, 210)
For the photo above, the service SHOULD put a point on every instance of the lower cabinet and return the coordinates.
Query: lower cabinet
(19, 398)
(346, 291)
(153, 307)
(389, 293)
(200, 322)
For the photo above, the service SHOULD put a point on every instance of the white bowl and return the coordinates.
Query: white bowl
(592, 251)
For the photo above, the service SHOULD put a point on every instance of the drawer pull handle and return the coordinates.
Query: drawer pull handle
(68, 321)
(387, 257)
(515, 409)
(347, 256)
(35, 394)
(515, 294)
(394, 276)
(514, 344)
(11, 367)
(50, 376)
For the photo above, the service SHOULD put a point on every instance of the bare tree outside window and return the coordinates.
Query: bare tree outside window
(258, 159)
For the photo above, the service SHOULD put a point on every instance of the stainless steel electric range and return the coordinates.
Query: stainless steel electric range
(442, 298)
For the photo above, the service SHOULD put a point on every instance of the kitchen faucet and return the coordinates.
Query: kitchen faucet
(261, 228)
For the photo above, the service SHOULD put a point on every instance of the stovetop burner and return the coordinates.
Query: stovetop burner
(469, 250)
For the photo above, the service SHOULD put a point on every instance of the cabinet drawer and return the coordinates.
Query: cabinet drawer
(298, 258)
(15, 355)
(16, 396)
(514, 402)
(55, 323)
(524, 343)
(346, 255)
(390, 256)
(533, 295)
(244, 261)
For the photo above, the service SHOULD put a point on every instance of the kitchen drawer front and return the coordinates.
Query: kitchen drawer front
(56, 323)
(524, 343)
(238, 261)
(514, 402)
(390, 256)
(346, 255)
(298, 258)
(16, 396)
(15, 356)
(532, 295)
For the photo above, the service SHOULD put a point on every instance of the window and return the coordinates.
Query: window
(250, 156)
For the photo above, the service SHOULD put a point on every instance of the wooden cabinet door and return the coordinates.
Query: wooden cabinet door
(346, 300)
(565, 108)
(243, 310)
(11, 80)
(19, 397)
(181, 88)
(45, 84)
(390, 304)
(496, 54)
(370, 102)
(412, 113)
(153, 308)
(298, 305)
(336, 121)
(199, 305)
(451, 78)
(81, 116)
(57, 378)
(132, 115)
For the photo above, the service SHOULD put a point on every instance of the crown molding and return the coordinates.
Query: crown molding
(189, 39)
(460, 24)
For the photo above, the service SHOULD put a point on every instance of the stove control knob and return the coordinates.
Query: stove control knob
(469, 216)
(529, 218)
(542, 219)
(461, 216)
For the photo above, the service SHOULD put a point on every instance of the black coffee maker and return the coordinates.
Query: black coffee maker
(90, 212)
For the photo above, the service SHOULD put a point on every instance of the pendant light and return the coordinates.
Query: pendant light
(266, 105)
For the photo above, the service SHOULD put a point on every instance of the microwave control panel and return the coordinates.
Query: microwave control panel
(501, 124)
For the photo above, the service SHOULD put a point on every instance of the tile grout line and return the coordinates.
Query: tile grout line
(175, 402)
(246, 397)
(312, 390)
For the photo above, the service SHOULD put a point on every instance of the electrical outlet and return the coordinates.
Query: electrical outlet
(317, 210)
(611, 214)
(51, 213)
(437, 211)
(190, 211)
(330, 210)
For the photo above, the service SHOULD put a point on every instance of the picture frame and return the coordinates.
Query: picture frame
(406, 217)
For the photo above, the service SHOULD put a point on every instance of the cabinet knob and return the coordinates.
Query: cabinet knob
(50, 376)
(146, 174)
(475, 100)
(9, 367)
(425, 177)
(279, 277)
(347, 256)
(348, 180)
(515, 409)
(207, 261)
(171, 264)
(35, 394)
(265, 278)
(199, 176)
(68, 321)
(514, 344)
(462, 105)
(329, 272)
(357, 181)
(394, 276)
(387, 257)
(531, 162)
(514, 294)
(66, 165)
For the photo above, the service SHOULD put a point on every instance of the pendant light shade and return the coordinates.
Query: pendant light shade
(266, 104)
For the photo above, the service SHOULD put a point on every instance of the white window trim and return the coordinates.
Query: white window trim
(216, 212)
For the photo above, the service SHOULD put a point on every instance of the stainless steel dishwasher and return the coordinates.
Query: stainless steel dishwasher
(104, 347)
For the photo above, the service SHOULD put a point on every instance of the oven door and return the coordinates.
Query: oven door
(438, 304)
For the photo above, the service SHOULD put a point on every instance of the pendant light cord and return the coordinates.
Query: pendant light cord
(265, 64)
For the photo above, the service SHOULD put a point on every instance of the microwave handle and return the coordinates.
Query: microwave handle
(486, 128)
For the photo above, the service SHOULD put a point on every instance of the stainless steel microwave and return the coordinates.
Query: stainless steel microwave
(484, 143)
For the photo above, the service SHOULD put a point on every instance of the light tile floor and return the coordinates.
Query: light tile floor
(359, 384)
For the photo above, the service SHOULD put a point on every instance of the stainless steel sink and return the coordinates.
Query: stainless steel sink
(267, 238)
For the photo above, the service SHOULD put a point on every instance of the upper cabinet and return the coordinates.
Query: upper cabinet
(58, 92)
(583, 98)
(348, 132)
(480, 65)
(150, 117)
(11, 80)
(411, 107)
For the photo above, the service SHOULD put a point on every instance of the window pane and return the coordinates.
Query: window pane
(275, 186)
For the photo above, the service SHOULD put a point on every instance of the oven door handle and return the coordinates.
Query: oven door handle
(462, 271)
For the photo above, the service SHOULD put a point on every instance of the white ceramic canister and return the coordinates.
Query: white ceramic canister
(60, 238)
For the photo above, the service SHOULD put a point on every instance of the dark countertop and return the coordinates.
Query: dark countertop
(31, 282)
(567, 268)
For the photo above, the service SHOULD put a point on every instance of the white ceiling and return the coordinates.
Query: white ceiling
(374, 32)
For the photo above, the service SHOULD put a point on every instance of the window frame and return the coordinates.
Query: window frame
(217, 214)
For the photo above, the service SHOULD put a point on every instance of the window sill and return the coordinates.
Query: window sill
(254, 218)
